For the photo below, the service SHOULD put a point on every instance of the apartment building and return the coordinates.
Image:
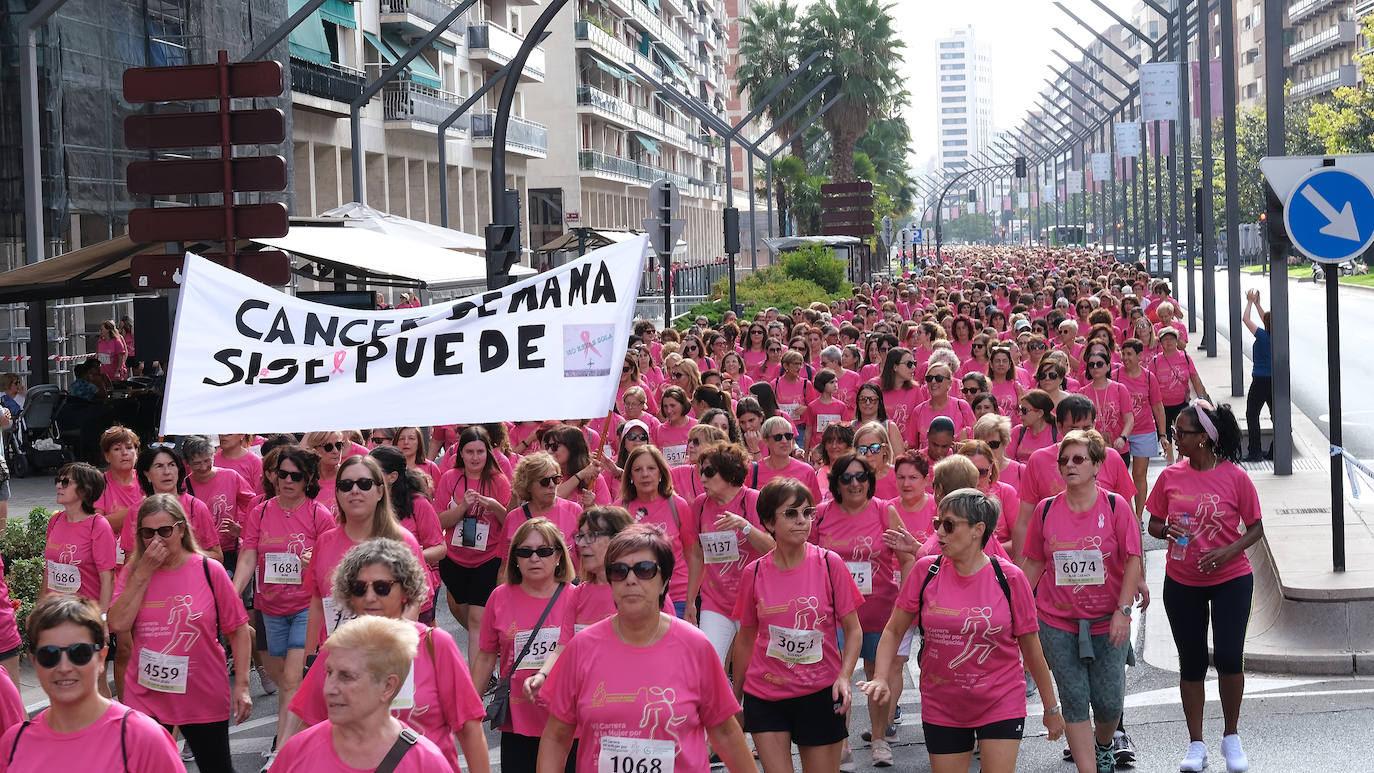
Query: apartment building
(964, 94)
(1324, 40)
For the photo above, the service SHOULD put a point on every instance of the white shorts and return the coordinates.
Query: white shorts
(720, 630)
(904, 649)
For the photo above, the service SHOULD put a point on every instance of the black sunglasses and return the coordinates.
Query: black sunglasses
(852, 477)
(330, 448)
(549, 481)
(79, 654)
(935, 379)
(644, 570)
(970, 390)
(543, 551)
(947, 525)
(1097, 364)
(161, 531)
(379, 440)
(778, 437)
(358, 588)
(64, 482)
(624, 368)
(364, 484)
(294, 476)
(637, 437)
(708, 472)
(994, 444)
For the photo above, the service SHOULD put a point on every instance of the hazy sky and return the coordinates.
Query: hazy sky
(1020, 35)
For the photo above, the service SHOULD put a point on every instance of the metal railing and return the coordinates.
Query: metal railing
(1344, 75)
(691, 283)
(628, 169)
(336, 82)
(657, 28)
(591, 96)
(432, 11)
(613, 47)
(1304, 8)
(1341, 32)
(406, 100)
(520, 133)
(502, 45)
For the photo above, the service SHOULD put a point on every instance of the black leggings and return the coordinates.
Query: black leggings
(1261, 394)
(1171, 412)
(521, 752)
(210, 743)
(1228, 606)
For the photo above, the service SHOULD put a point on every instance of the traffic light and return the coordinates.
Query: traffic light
(503, 252)
(732, 230)
(1020, 166)
(972, 195)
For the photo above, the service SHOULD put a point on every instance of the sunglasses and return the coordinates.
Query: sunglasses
(637, 437)
(755, 332)
(1039, 347)
(936, 379)
(868, 399)
(379, 440)
(1049, 374)
(907, 363)
(552, 445)
(984, 473)
(778, 437)
(549, 481)
(588, 537)
(970, 390)
(775, 351)
(676, 375)
(364, 484)
(79, 654)
(708, 472)
(1075, 460)
(855, 477)
(330, 448)
(624, 369)
(993, 444)
(1097, 364)
(543, 551)
(162, 531)
(358, 588)
(947, 525)
(980, 346)
(644, 570)
(296, 477)
(871, 448)
(64, 482)
(798, 512)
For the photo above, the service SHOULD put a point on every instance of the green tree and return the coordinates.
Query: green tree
(770, 39)
(859, 45)
(1346, 122)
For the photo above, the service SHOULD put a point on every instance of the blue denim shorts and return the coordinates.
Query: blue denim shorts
(869, 650)
(285, 632)
(1144, 445)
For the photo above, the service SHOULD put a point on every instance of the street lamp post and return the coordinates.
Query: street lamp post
(1228, 123)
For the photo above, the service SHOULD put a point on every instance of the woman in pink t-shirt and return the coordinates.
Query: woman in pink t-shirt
(824, 410)
(1037, 428)
(369, 666)
(755, 351)
(671, 435)
(162, 471)
(581, 479)
(111, 351)
(793, 603)
(869, 406)
(224, 491)
(332, 448)
(793, 388)
(538, 572)
(1115, 414)
(914, 504)
(411, 442)
(780, 440)
(901, 394)
(536, 478)
(1003, 382)
(1176, 373)
(1147, 405)
(1200, 505)
(649, 494)
(382, 577)
(233, 453)
(641, 691)
(1086, 543)
(123, 494)
(981, 628)
(415, 513)
(939, 380)
(81, 729)
(172, 604)
(996, 431)
(989, 482)
(80, 550)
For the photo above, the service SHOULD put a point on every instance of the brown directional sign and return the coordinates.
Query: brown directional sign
(848, 202)
(163, 272)
(189, 224)
(172, 178)
(847, 216)
(851, 229)
(188, 130)
(859, 186)
(201, 81)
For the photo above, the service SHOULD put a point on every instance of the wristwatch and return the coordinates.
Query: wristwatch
(744, 530)
(1125, 609)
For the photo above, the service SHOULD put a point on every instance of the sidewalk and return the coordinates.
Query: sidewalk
(1306, 618)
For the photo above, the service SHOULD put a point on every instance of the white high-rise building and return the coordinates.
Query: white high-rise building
(963, 92)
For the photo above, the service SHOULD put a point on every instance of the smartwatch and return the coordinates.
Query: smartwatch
(744, 531)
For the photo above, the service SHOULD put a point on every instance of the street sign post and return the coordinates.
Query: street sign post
(664, 231)
(917, 235)
(1328, 212)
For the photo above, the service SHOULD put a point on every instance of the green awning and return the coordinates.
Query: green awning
(339, 12)
(610, 69)
(307, 41)
(644, 43)
(383, 49)
(650, 146)
(669, 63)
(446, 48)
(421, 71)
(653, 5)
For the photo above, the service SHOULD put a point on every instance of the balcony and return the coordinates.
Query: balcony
(1305, 8)
(334, 84)
(1342, 33)
(586, 32)
(497, 46)
(1345, 75)
(421, 16)
(625, 170)
(405, 101)
(657, 28)
(527, 138)
(612, 108)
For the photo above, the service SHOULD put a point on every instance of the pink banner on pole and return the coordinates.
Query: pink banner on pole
(1006, 202)
(1035, 199)
(1214, 85)
(980, 207)
(1165, 138)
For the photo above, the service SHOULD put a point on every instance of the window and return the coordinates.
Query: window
(952, 44)
(951, 88)
(956, 132)
(951, 56)
(947, 100)
(954, 122)
(957, 66)
(952, 110)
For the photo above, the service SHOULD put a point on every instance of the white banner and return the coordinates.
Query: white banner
(1102, 166)
(1049, 192)
(1159, 91)
(1073, 181)
(1022, 199)
(248, 358)
(1127, 139)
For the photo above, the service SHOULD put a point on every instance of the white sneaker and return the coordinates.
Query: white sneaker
(186, 754)
(847, 759)
(882, 753)
(1196, 758)
(1236, 761)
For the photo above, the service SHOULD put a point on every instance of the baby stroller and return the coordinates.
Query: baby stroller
(34, 441)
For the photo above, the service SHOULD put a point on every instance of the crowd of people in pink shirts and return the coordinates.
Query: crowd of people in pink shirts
(954, 462)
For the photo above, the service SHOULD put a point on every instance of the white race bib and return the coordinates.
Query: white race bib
(824, 420)
(676, 456)
(480, 539)
(105, 358)
(161, 672)
(405, 699)
(1079, 567)
(63, 578)
(794, 645)
(635, 755)
(334, 615)
(282, 569)
(790, 408)
(720, 547)
(545, 641)
(862, 572)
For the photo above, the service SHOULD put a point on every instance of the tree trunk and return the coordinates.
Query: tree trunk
(781, 197)
(842, 159)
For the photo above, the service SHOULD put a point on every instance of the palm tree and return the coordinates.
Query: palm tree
(770, 39)
(860, 47)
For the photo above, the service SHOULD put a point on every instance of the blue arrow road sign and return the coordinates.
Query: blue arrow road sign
(1330, 215)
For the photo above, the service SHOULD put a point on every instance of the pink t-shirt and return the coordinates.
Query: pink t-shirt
(96, 749)
(1007, 397)
(761, 472)
(511, 613)
(820, 414)
(1085, 558)
(107, 351)
(1011, 474)
(931, 547)
(720, 575)
(919, 521)
(249, 466)
(564, 515)
(676, 527)
(672, 441)
(176, 630)
(784, 605)
(120, 501)
(687, 481)
(886, 487)
(312, 751)
(1025, 442)
(270, 530)
(229, 498)
(423, 525)
(1041, 478)
(672, 689)
(901, 406)
(955, 409)
(971, 669)
(858, 539)
(443, 697)
(1113, 404)
(849, 387)
(88, 545)
(450, 488)
(1175, 372)
(203, 525)
(1218, 502)
(330, 548)
(1144, 392)
(591, 603)
(1010, 501)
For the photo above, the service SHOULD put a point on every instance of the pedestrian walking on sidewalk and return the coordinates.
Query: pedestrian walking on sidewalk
(1199, 505)
(1261, 391)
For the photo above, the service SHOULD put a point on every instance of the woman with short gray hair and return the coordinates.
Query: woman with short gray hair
(972, 685)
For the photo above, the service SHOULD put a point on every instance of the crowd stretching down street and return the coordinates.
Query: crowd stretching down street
(945, 470)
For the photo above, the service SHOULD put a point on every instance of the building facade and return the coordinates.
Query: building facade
(963, 98)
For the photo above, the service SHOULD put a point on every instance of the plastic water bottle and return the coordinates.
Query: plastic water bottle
(1180, 547)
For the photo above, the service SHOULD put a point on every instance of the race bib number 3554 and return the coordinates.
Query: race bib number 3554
(545, 641)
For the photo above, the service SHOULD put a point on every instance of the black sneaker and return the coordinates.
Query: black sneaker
(1252, 458)
(1068, 755)
(1122, 749)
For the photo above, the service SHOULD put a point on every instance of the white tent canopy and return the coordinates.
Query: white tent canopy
(359, 215)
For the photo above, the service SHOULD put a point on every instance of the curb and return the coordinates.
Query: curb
(1312, 280)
